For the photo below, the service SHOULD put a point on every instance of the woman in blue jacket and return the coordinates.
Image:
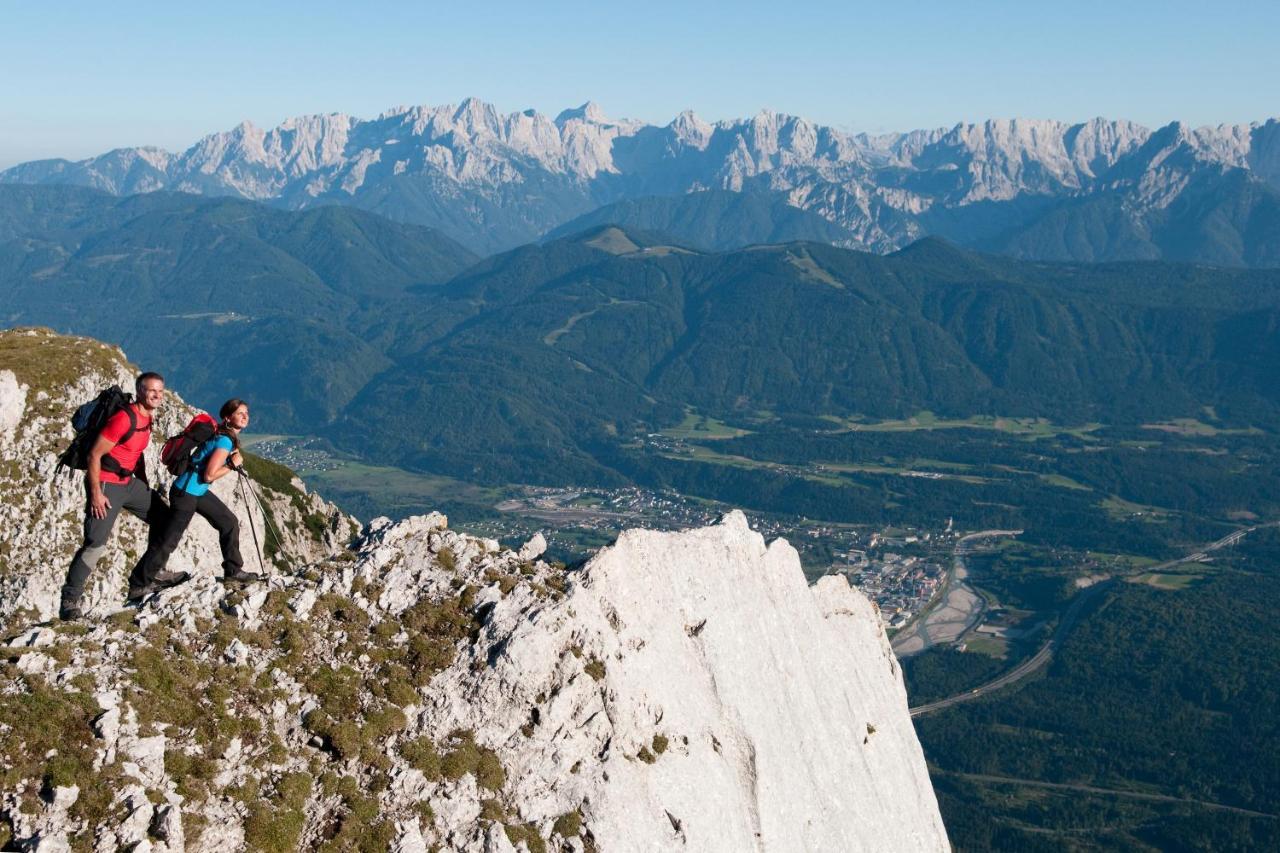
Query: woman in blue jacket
(189, 495)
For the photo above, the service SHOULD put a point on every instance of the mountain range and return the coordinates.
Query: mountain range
(1093, 191)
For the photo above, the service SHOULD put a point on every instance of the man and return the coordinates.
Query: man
(112, 483)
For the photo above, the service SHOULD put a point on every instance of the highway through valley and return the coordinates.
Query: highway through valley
(1043, 656)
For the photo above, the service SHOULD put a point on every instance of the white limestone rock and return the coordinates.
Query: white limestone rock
(470, 151)
(534, 548)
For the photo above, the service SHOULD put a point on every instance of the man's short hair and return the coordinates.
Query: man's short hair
(150, 374)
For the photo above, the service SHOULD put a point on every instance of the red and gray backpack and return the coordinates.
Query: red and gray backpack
(178, 450)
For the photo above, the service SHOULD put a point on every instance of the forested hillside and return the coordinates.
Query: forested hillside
(545, 362)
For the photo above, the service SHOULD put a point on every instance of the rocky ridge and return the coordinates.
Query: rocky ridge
(425, 689)
(455, 166)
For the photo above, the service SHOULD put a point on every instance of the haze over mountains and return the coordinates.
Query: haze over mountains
(1101, 190)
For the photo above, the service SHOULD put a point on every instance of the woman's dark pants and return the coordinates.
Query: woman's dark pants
(182, 506)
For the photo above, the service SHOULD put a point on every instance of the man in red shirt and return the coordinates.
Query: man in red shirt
(116, 479)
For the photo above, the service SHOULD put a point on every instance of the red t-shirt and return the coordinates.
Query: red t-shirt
(126, 453)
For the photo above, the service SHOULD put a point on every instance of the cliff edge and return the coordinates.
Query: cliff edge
(425, 689)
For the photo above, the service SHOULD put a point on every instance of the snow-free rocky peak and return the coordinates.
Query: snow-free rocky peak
(426, 689)
(456, 167)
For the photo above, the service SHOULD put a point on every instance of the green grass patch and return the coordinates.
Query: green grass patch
(1119, 508)
(926, 420)
(466, 756)
(698, 453)
(992, 647)
(904, 471)
(1161, 580)
(1122, 562)
(1192, 428)
(47, 361)
(393, 487)
(1064, 482)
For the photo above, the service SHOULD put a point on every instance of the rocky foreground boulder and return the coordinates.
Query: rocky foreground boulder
(421, 689)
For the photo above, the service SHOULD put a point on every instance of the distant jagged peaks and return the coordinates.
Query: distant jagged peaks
(495, 180)
(590, 112)
(335, 139)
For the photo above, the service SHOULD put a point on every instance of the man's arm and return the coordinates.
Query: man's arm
(98, 503)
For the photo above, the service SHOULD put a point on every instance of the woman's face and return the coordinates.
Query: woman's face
(239, 418)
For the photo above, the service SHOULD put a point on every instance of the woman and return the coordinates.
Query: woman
(189, 495)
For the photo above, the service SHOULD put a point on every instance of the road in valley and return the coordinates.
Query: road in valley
(1028, 666)
(1093, 789)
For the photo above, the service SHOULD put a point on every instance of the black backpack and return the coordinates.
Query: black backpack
(88, 422)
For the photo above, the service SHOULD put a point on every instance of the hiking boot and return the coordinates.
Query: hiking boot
(241, 576)
(137, 593)
(70, 612)
(165, 580)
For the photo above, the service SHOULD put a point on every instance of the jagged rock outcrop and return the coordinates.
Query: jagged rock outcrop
(426, 689)
(493, 181)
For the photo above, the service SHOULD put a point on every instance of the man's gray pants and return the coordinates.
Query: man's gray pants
(137, 498)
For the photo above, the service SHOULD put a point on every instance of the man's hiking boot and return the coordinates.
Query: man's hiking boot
(241, 576)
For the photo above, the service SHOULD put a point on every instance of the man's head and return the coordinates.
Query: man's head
(149, 390)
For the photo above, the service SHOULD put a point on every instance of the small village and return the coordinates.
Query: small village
(899, 584)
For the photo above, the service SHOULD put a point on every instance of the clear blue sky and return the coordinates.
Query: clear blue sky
(79, 78)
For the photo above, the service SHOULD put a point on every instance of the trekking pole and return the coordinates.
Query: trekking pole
(248, 508)
(266, 516)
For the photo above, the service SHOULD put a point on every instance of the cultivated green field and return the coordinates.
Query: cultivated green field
(926, 420)
(696, 426)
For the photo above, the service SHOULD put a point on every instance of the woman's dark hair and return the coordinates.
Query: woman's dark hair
(228, 409)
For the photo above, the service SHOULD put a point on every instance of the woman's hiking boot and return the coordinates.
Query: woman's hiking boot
(241, 576)
(162, 580)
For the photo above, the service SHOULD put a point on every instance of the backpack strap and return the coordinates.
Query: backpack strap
(133, 424)
(109, 462)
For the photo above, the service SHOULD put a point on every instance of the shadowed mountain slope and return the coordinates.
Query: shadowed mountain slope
(225, 294)
(605, 345)
(714, 220)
